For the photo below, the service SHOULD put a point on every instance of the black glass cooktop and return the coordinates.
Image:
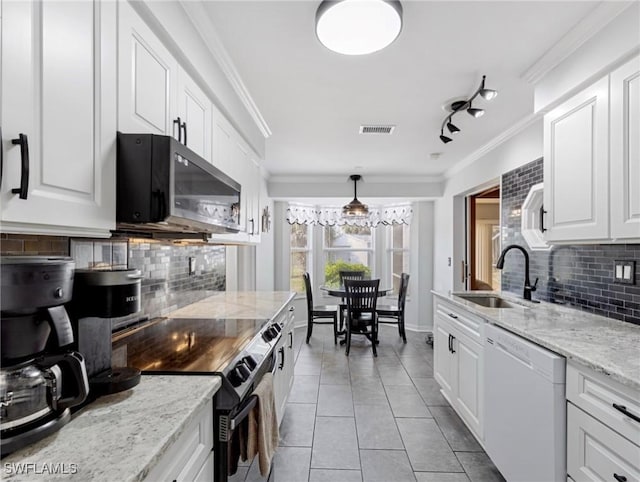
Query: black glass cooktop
(184, 345)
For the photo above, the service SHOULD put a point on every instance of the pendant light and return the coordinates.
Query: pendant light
(358, 27)
(355, 208)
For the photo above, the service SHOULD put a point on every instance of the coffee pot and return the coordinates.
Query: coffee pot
(41, 378)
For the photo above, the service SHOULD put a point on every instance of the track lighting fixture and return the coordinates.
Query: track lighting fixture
(460, 105)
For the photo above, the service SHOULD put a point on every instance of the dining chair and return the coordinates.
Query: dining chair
(394, 315)
(320, 312)
(362, 297)
(345, 275)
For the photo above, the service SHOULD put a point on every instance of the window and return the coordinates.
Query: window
(399, 242)
(347, 248)
(300, 255)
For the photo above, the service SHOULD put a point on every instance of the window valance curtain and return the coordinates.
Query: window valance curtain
(332, 216)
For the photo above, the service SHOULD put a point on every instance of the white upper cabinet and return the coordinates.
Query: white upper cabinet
(576, 181)
(592, 162)
(194, 116)
(147, 78)
(625, 151)
(58, 117)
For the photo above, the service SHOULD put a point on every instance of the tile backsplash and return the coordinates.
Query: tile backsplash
(166, 281)
(578, 275)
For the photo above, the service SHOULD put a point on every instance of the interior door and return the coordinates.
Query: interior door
(482, 240)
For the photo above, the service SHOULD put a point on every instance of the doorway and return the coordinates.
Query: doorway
(483, 239)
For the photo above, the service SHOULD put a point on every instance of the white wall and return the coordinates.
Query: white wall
(265, 251)
(448, 217)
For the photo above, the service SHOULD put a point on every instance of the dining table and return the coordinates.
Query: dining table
(341, 292)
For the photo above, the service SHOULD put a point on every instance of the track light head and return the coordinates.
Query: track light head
(488, 94)
(452, 128)
(472, 111)
(445, 139)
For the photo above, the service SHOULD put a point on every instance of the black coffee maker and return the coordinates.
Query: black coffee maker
(99, 296)
(40, 376)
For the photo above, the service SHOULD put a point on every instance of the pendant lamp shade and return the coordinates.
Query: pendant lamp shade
(355, 208)
(358, 27)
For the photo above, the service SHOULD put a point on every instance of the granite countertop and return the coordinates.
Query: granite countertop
(237, 304)
(118, 437)
(606, 345)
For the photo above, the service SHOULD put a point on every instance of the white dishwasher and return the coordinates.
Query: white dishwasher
(525, 408)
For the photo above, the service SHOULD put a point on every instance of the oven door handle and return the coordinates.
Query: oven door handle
(244, 412)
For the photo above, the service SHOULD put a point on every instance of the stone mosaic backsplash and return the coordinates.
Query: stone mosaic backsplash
(166, 283)
(577, 275)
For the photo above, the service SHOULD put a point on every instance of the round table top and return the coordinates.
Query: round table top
(340, 292)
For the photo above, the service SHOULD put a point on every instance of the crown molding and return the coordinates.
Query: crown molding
(368, 179)
(519, 126)
(586, 28)
(204, 26)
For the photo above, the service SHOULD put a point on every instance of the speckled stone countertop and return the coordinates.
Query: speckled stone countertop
(606, 345)
(118, 437)
(237, 304)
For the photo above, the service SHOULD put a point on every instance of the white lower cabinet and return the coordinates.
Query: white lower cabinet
(191, 456)
(603, 433)
(283, 375)
(595, 452)
(458, 362)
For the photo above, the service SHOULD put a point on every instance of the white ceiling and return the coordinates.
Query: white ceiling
(314, 100)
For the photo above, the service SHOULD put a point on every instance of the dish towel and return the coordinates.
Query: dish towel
(263, 433)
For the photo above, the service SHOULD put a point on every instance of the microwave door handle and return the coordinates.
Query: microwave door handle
(184, 126)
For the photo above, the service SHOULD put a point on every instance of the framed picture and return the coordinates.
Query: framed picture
(266, 220)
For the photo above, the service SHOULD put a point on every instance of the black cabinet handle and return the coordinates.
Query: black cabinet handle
(23, 142)
(620, 478)
(291, 339)
(184, 126)
(623, 409)
(449, 342)
(281, 365)
(455, 317)
(542, 213)
(452, 338)
(179, 122)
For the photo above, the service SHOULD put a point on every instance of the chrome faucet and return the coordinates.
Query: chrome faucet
(528, 289)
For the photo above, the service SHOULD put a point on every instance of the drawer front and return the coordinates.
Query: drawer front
(186, 456)
(467, 323)
(597, 453)
(596, 394)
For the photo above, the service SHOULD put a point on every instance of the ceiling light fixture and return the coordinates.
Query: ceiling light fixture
(355, 208)
(460, 105)
(358, 27)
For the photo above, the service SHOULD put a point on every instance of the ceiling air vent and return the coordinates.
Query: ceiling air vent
(377, 129)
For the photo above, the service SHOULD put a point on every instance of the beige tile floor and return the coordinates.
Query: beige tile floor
(366, 419)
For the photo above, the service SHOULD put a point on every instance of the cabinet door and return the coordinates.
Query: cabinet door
(442, 359)
(254, 200)
(58, 89)
(194, 110)
(146, 78)
(279, 379)
(625, 151)
(576, 183)
(595, 452)
(222, 145)
(469, 366)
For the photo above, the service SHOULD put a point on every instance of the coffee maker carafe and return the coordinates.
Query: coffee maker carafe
(40, 377)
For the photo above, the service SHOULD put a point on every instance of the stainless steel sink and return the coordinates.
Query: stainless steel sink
(489, 301)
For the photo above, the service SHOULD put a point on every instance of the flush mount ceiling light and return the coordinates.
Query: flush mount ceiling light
(358, 27)
(460, 105)
(355, 208)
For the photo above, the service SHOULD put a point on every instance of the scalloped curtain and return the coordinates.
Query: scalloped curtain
(332, 216)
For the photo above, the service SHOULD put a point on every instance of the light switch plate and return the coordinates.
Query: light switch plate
(624, 271)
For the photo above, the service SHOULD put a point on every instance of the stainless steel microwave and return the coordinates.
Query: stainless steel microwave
(163, 186)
